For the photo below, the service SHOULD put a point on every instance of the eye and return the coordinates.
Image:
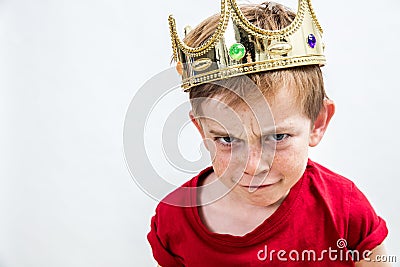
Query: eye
(226, 140)
(277, 137)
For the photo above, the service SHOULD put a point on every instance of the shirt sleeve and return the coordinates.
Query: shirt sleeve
(366, 229)
(161, 254)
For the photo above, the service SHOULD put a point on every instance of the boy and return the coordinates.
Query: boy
(258, 101)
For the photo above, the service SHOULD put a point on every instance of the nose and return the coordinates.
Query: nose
(258, 161)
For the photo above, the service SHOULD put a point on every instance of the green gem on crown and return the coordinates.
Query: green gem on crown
(237, 51)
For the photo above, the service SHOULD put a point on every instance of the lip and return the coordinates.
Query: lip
(259, 186)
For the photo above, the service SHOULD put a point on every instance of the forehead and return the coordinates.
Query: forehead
(258, 115)
(261, 112)
(282, 99)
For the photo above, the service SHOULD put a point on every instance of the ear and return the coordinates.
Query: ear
(321, 123)
(196, 123)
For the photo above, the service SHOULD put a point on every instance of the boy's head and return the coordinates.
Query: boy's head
(306, 81)
(258, 126)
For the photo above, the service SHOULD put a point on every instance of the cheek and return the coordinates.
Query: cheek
(227, 162)
(221, 160)
(291, 163)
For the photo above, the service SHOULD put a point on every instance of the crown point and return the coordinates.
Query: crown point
(311, 40)
(237, 51)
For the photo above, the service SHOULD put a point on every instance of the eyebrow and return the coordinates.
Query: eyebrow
(265, 132)
(284, 129)
(216, 132)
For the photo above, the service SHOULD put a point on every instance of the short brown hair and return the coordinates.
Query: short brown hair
(307, 81)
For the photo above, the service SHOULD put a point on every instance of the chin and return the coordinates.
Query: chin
(262, 198)
(262, 203)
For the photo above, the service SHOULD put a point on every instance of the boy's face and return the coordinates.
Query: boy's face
(260, 153)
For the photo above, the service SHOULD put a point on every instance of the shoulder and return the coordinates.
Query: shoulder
(328, 192)
(171, 222)
(329, 185)
(337, 191)
(322, 174)
(176, 208)
(362, 227)
(337, 187)
(183, 196)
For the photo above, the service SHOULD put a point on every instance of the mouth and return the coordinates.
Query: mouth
(254, 187)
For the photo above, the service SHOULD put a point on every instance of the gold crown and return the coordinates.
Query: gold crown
(239, 47)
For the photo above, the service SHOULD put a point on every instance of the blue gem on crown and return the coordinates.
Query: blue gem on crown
(311, 40)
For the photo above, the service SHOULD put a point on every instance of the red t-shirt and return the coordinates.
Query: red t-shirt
(322, 222)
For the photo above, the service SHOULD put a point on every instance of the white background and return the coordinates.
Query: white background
(68, 71)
